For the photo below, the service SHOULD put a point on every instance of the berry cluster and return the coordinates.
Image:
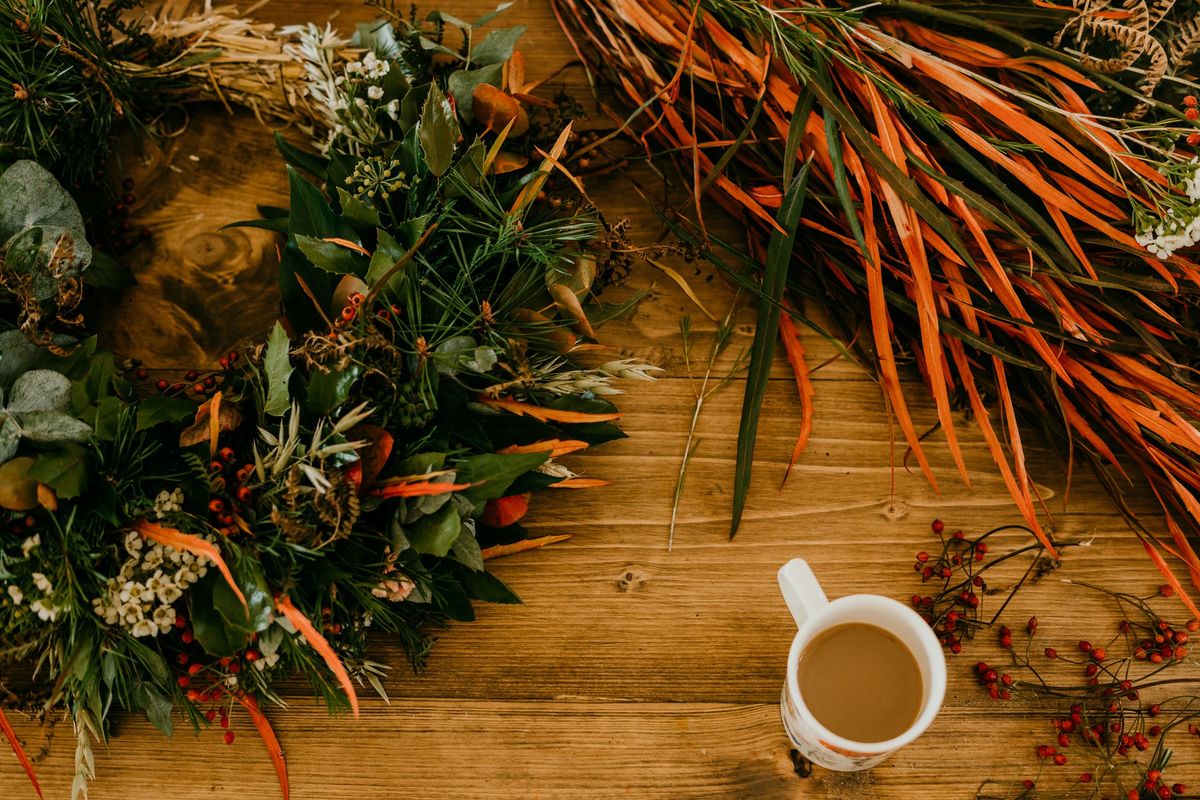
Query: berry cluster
(232, 497)
(201, 387)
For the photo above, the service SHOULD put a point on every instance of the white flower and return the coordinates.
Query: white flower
(16, 594)
(375, 92)
(393, 109)
(144, 628)
(42, 583)
(133, 542)
(164, 617)
(45, 611)
(268, 660)
(29, 544)
(169, 593)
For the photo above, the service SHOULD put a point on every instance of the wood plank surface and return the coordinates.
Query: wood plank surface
(630, 671)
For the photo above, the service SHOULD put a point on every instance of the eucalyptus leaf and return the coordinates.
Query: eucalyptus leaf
(30, 197)
(40, 390)
(379, 36)
(497, 46)
(10, 436)
(17, 355)
(156, 705)
(53, 427)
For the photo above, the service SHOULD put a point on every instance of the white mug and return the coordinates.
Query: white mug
(814, 614)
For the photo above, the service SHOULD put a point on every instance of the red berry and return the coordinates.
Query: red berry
(253, 655)
(184, 681)
(216, 505)
(1027, 783)
(210, 382)
(1192, 114)
(224, 721)
(1099, 653)
(187, 637)
(245, 495)
(191, 375)
(922, 556)
(1179, 788)
(1193, 625)
(226, 454)
(161, 385)
(224, 362)
(1154, 730)
(937, 526)
(1085, 646)
(195, 669)
(1189, 101)
(1032, 626)
(233, 356)
(210, 715)
(1051, 652)
(235, 668)
(1165, 590)
(229, 737)
(1085, 777)
(1060, 760)
(1193, 138)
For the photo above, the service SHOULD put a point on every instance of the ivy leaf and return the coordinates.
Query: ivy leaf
(40, 390)
(438, 131)
(159, 408)
(156, 705)
(356, 210)
(435, 533)
(278, 365)
(64, 470)
(494, 472)
(497, 46)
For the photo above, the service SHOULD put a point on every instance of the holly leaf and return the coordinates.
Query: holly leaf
(435, 533)
(278, 366)
(65, 470)
(328, 390)
(159, 408)
(330, 256)
(356, 211)
(438, 131)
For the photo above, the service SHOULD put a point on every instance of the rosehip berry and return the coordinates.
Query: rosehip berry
(224, 721)
(1051, 652)
(252, 655)
(1085, 777)
(937, 526)
(1166, 591)
(1060, 760)
(1032, 626)
(229, 737)
(161, 385)
(1099, 653)
(922, 556)
(187, 637)
(191, 375)
(184, 681)
(210, 715)
(1179, 788)
(1085, 646)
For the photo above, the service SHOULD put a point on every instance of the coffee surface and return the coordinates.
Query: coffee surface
(861, 682)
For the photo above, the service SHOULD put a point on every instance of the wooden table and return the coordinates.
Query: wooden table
(630, 671)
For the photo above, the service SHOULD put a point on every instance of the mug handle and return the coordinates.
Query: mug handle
(801, 591)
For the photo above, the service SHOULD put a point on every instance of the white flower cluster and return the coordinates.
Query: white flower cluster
(153, 577)
(168, 503)
(44, 606)
(372, 67)
(1179, 227)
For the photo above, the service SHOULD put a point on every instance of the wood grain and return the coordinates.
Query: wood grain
(630, 671)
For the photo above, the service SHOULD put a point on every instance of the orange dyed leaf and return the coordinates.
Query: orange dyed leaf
(313, 637)
(1169, 576)
(556, 447)
(579, 483)
(170, 537)
(804, 387)
(501, 550)
(543, 414)
(19, 752)
(420, 489)
(267, 734)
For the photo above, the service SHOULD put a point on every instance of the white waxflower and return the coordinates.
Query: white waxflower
(268, 660)
(164, 617)
(45, 611)
(29, 544)
(393, 109)
(169, 593)
(144, 628)
(42, 583)
(375, 92)
(133, 542)
(16, 594)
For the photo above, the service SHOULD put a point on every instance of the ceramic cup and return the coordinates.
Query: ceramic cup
(814, 613)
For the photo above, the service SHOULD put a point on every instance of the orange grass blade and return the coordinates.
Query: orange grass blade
(1186, 553)
(214, 423)
(556, 447)
(796, 353)
(349, 245)
(501, 550)
(170, 537)
(1169, 576)
(267, 734)
(542, 414)
(580, 483)
(420, 489)
(19, 752)
(285, 606)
